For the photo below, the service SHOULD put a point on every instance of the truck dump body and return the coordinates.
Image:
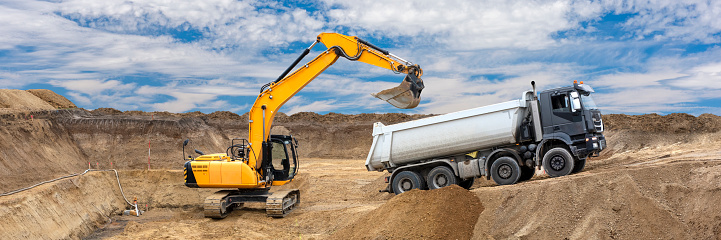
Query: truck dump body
(445, 135)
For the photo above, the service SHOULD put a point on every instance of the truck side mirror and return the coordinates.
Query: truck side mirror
(575, 102)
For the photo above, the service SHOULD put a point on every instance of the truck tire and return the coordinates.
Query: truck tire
(441, 176)
(505, 171)
(526, 173)
(405, 181)
(578, 166)
(467, 184)
(558, 162)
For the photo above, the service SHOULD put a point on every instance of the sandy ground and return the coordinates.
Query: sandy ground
(641, 200)
(334, 193)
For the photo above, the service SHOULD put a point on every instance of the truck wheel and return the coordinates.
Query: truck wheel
(441, 176)
(505, 171)
(526, 173)
(578, 166)
(405, 181)
(467, 184)
(558, 162)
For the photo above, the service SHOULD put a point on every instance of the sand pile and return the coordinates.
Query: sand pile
(52, 98)
(14, 100)
(446, 213)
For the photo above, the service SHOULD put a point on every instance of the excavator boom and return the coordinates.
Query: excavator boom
(275, 94)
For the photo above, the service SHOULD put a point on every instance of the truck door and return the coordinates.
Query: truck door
(564, 120)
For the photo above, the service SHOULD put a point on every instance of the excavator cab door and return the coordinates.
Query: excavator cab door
(284, 158)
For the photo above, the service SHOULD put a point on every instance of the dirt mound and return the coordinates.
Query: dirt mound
(13, 99)
(671, 123)
(446, 213)
(225, 115)
(52, 98)
(638, 138)
(669, 201)
(106, 111)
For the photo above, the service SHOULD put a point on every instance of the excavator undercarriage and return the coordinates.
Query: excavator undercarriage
(277, 204)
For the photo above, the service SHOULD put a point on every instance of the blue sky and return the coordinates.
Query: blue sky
(161, 55)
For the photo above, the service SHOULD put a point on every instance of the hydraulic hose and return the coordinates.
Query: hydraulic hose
(69, 176)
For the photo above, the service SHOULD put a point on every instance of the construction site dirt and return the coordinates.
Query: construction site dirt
(660, 177)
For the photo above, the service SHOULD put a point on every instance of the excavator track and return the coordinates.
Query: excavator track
(277, 204)
(280, 203)
(218, 205)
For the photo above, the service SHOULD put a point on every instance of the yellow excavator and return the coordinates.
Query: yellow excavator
(251, 166)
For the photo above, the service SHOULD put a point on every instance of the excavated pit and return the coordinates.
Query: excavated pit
(659, 178)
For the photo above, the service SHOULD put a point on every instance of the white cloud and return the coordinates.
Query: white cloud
(186, 101)
(635, 80)
(671, 86)
(700, 78)
(227, 23)
(11, 80)
(687, 21)
(301, 104)
(459, 24)
(93, 87)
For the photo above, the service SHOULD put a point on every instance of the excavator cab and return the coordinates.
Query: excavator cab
(284, 160)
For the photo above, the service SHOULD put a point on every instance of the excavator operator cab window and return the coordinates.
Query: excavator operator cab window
(283, 162)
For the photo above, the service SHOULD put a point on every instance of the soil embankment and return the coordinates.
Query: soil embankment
(66, 209)
(659, 178)
(669, 201)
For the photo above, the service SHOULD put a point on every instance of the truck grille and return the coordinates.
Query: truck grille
(597, 121)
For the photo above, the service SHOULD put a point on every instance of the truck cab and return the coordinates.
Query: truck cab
(569, 114)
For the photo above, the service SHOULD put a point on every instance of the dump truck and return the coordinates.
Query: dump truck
(555, 130)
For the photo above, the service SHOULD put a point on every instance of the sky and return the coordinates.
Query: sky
(660, 56)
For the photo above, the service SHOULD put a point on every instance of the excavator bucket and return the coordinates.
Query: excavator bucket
(405, 96)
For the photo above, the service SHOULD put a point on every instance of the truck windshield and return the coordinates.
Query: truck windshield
(588, 102)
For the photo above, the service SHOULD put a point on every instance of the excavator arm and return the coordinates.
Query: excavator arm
(273, 95)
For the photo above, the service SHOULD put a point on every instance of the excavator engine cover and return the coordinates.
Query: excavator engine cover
(405, 96)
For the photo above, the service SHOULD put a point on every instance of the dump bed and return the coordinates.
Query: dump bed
(446, 135)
